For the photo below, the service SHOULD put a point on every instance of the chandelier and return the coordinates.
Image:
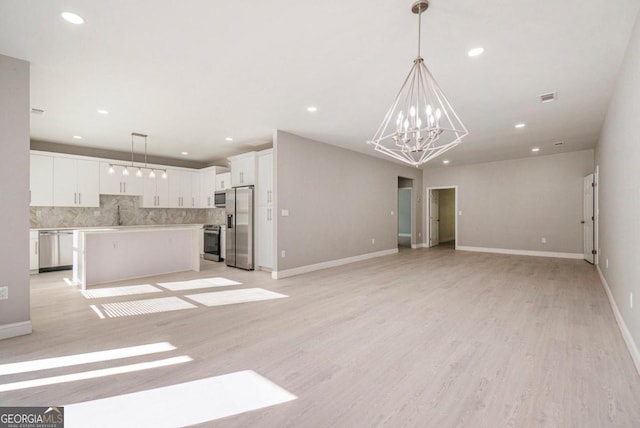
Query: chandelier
(139, 173)
(421, 124)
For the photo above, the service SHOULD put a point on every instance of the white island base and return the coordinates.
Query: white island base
(106, 255)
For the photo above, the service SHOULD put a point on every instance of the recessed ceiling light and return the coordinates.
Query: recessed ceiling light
(446, 161)
(228, 139)
(72, 18)
(535, 149)
(103, 111)
(77, 137)
(312, 109)
(520, 125)
(476, 51)
(184, 153)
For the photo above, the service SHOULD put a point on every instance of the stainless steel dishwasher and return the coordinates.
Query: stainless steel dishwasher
(56, 250)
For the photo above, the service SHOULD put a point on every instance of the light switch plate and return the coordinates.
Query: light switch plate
(285, 213)
(4, 293)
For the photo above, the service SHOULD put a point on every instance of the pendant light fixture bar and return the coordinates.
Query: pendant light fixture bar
(425, 123)
(139, 173)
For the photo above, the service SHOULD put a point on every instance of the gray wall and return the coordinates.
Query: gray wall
(618, 158)
(14, 189)
(404, 211)
(447, 213)
(513, 204)
(338, 201)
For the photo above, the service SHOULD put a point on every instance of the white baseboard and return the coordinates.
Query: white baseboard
(15, 329)
(626, 335)
(405, 235)
(578, 256)
(331, 263)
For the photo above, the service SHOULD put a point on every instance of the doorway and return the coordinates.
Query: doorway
(442, 224)
(405, 212)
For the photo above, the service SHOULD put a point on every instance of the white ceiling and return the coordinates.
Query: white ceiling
(191, 73)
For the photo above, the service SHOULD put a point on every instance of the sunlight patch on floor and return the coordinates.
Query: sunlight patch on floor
(183, 404)
(86, 358)
(128, 290)
(147, 306)
(219, 298)
(198, 283)
(93, 374)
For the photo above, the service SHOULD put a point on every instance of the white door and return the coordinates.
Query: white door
(587, 219)
(434, 218)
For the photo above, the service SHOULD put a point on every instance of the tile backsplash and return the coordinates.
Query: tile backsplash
(130, 214)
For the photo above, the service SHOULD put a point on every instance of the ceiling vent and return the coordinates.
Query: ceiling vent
(37, 111)
(548, 98)
(558, 143)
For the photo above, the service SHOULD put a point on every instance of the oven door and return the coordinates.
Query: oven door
(212, 244)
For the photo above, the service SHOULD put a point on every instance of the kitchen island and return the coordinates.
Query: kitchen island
(113, 254)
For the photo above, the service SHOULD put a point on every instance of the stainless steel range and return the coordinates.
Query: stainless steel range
(212, 242)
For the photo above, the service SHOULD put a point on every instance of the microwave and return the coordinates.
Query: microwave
(220, 199)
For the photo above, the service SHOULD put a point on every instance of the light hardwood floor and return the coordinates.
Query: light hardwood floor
(424, 338)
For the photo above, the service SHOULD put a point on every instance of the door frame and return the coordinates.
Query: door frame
(428, 209)
(411, 212)
(596, 215)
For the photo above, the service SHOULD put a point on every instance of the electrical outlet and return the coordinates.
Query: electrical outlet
(283, 254)
(285, 213)
(4, 293)
(460, 212)
(391, 212)
(543, 240)
(373, 241)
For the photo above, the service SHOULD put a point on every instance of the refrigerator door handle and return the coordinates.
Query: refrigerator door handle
(229, 221)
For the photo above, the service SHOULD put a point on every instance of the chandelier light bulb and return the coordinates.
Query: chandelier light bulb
(164, 174)
(111, 170)
(139, 172)
(152, 174)
(125, 172)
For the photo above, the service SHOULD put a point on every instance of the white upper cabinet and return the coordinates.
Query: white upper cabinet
(179, 188)
(76, 182)
(207, 187)
(155, 191)
(223, 181)
(195, 190)
(265, 178)
(41, 181)
(119, 184)
(243, 169)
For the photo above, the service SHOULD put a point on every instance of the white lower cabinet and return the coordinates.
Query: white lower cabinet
(34, 251)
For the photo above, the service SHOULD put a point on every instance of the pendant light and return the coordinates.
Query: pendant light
(139, 173)
(421, 123)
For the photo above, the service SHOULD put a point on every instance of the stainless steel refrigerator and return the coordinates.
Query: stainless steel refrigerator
(240, 248)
